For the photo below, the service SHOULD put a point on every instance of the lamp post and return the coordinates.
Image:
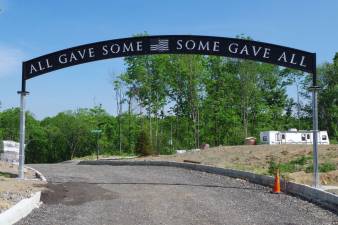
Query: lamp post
(97, 132)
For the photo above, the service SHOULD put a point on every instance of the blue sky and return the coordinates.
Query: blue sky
(32, 28)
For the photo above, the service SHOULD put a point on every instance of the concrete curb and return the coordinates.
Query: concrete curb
(319, 197)
(37, 173)
(20, 210)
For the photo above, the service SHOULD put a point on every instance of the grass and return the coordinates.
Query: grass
(258, 170)
(93, 156)
(289, 167)
(7, 175)
(303, 163)
(322, 167)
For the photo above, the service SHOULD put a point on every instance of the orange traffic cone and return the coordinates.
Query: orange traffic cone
(276, 187)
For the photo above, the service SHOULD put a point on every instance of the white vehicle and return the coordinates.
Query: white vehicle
(9, 151)
(292, 136)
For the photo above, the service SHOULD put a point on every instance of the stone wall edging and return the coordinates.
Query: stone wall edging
(317, 196)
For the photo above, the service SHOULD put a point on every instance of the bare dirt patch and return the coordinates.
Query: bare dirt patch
(12, 190)
(75, 193)
(255, 158)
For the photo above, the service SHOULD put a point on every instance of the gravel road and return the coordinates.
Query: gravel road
(83, 194)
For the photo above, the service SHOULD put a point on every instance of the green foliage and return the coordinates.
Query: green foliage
(327, 98)
(326, 167)
(283, 167)
(295, 165)
(322, 167)
(181, 102)
(9, 124)
(7, 175)
(143, 145)
(273, 166)
(303, 163)
(303, 160)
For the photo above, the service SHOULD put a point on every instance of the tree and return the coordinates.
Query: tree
(119, 95)
(183, 101)
(9, 124)
(143, 144)
(147, 77)
(185, 90)
(328, 98)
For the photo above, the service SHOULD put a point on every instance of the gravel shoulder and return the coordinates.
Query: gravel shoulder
(82, 194)
(13, 190)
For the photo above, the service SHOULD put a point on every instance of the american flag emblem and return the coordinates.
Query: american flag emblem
(159, 45)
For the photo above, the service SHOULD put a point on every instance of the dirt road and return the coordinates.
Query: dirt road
(82, 194)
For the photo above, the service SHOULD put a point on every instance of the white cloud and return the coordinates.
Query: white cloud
(10, 61)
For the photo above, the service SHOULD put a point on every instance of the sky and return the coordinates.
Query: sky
(32, 28)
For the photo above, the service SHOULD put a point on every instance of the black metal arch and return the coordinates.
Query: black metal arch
(171, 44)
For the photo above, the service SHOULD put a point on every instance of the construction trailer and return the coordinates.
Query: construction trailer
(292, 136)
(9, 151)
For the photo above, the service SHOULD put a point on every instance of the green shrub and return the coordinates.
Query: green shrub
(301, 160)
(273, 166)
(167, 151)
(289, 167)
(143, 145)
(327, 167)
(333, 141)
(7, 175)
(323, 167)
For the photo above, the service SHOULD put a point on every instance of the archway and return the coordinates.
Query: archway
(172, 44)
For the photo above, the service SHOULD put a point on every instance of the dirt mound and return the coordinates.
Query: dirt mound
(256, 158)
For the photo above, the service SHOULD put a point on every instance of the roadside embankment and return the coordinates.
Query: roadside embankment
(18, 197)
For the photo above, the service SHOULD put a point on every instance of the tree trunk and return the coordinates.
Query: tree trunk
(129, 123)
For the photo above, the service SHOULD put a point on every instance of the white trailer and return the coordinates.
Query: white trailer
(292, 136)
(9, 151)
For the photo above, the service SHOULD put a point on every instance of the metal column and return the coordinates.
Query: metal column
(22, 133)
(316, 180)
(314, 89)
(22, 94)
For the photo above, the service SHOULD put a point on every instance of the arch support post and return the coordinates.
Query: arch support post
(316, 179)
(22, 131)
